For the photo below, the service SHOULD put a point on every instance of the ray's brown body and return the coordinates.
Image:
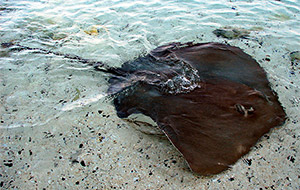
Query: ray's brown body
(214, 124)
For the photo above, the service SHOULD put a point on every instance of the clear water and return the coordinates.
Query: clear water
(126, 29)
(38, 90)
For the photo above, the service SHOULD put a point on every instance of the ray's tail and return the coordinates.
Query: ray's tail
(98, 65)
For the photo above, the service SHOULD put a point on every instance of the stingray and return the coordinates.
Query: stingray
(211, 100)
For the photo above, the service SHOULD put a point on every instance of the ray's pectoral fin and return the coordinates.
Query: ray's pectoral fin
(214, 126)
(211, 126)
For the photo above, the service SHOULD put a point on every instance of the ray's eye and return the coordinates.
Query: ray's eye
(243, 110)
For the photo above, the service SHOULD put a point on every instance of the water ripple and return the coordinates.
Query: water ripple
(124, 31)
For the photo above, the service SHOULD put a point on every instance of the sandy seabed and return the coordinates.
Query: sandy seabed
(59, 130)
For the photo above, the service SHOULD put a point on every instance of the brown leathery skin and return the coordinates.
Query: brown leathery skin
(216, 123)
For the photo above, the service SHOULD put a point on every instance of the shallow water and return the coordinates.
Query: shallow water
(51, 105)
